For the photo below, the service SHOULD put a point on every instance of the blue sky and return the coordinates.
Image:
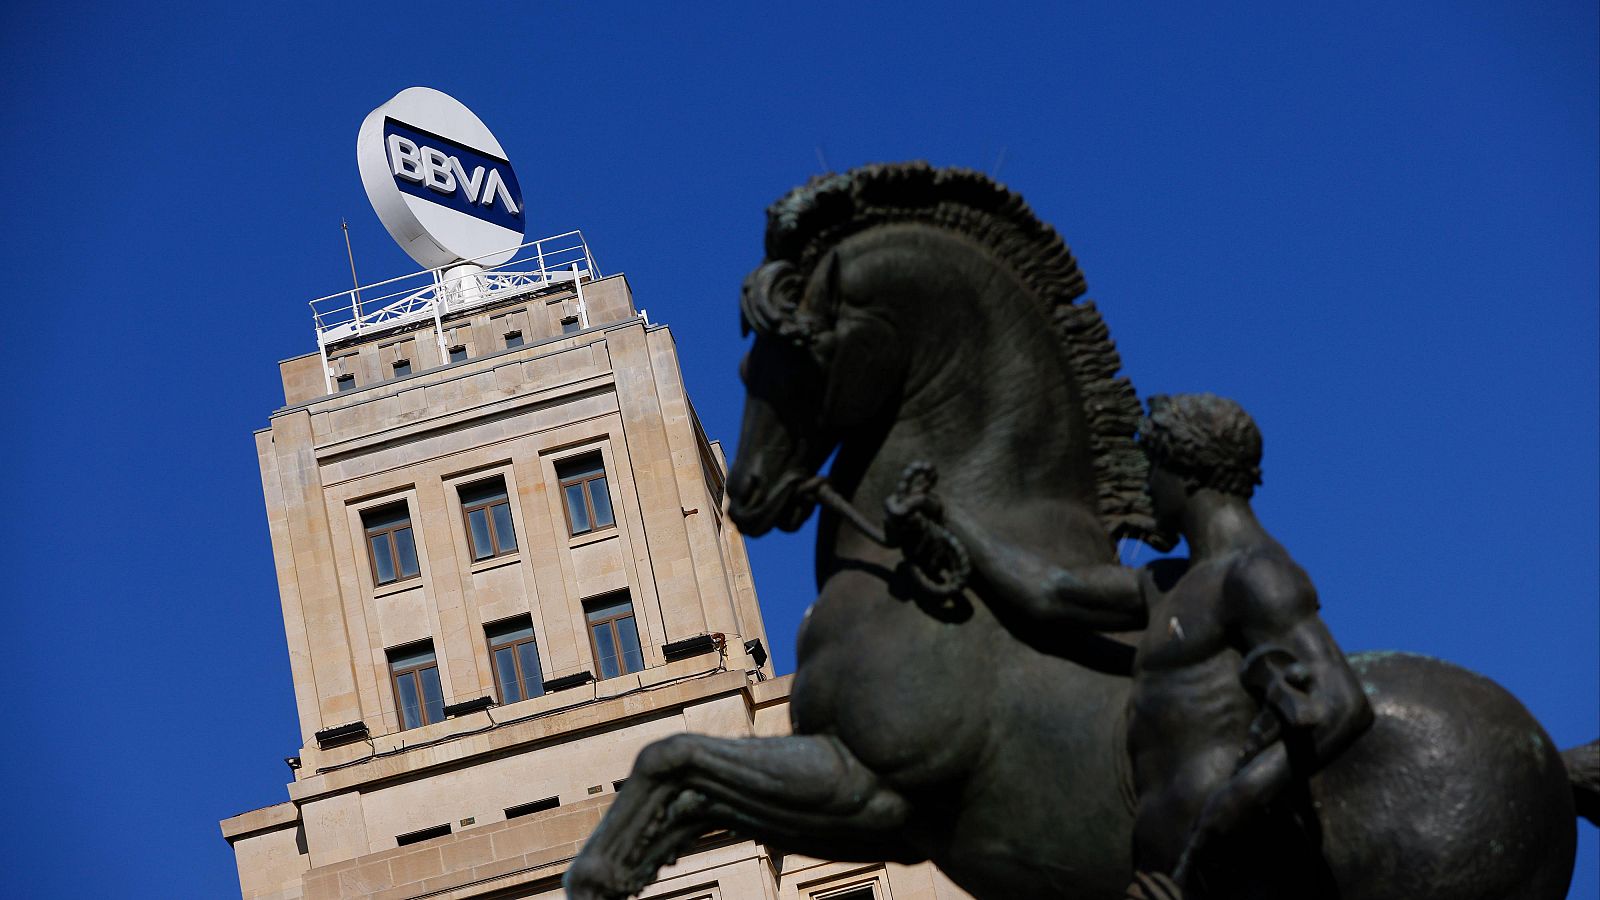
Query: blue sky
(1375, 225)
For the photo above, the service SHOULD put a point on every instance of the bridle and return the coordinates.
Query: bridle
(936, 560)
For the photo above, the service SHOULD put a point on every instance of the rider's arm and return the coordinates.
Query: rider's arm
(1275, 605)
(1101, 596)
(1272, 606)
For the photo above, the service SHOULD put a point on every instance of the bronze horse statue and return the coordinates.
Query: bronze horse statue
(906, 313)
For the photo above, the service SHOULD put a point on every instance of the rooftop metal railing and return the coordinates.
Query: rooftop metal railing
(435, 293)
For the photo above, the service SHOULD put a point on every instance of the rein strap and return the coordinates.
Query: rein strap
(934, 550)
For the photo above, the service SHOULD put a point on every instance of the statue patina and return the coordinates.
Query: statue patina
(906, 314)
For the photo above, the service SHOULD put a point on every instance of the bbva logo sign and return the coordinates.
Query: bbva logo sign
(434, 168)
(439, 181)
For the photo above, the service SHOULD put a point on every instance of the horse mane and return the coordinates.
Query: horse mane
(811, 219)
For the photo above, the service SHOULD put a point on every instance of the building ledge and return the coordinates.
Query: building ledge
(342, 447)
(592, 713)
(588, 713)
(773, 690)
(499, 857)
(534, 350)
(267, 818)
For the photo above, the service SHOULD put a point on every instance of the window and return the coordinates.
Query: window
(426, 834)
(583, 489)
(569, 324)
(528, 809)
(458, 353)
(417, 693)
(402, 368)
(515, 656)
(488, 514)
(860, 892)
(345, 383)
(513, 339)
(613, 635)
(392, 548)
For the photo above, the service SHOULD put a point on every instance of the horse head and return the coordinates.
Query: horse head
(927, 310)
(811, 377)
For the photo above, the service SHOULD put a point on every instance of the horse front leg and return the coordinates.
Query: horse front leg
(806, 794)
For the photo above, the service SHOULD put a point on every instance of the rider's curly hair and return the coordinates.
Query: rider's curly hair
(1206, 438)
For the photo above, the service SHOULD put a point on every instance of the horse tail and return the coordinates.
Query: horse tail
(1583, 771)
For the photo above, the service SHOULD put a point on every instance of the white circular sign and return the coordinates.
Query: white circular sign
(439, 181)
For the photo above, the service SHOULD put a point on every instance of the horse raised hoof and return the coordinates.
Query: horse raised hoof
(1153, 886)
(595, 879)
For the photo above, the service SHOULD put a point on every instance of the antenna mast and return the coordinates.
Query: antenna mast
(356, 294)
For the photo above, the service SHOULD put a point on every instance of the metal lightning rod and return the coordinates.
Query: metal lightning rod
(353, 279)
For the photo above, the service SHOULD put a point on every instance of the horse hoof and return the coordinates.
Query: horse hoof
(589, 892)
(582, 883)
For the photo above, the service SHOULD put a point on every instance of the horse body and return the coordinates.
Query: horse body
(1455, 792)
(945, 702)
(973, 768)
(949, 730)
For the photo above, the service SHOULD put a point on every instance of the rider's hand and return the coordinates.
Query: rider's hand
(905, 506)
(905, 513)
(900, 518)
(914, 495)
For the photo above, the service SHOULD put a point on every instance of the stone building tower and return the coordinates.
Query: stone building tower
(504, 568)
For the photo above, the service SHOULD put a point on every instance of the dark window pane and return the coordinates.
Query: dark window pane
(506, 632)
(528, 809)
(605, 609)
(483, 491)
(402, 368)
(406, 551)
(504, 534)
(432, 694)
(576, 511)
(419, 654)
(478, 524)
(505, 672)
(426, 834)
(386, 516)
(345, 382)
(458, 354)
(410, 708)
(628, 637)
(529, 651)
(602, 502)
(382, 559)
(581, 467)
(568, 326)
(514, 339)
(606, 649)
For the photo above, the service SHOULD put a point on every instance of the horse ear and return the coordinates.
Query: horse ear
(768, 300)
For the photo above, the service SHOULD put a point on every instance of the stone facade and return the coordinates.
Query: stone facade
(465, 790)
